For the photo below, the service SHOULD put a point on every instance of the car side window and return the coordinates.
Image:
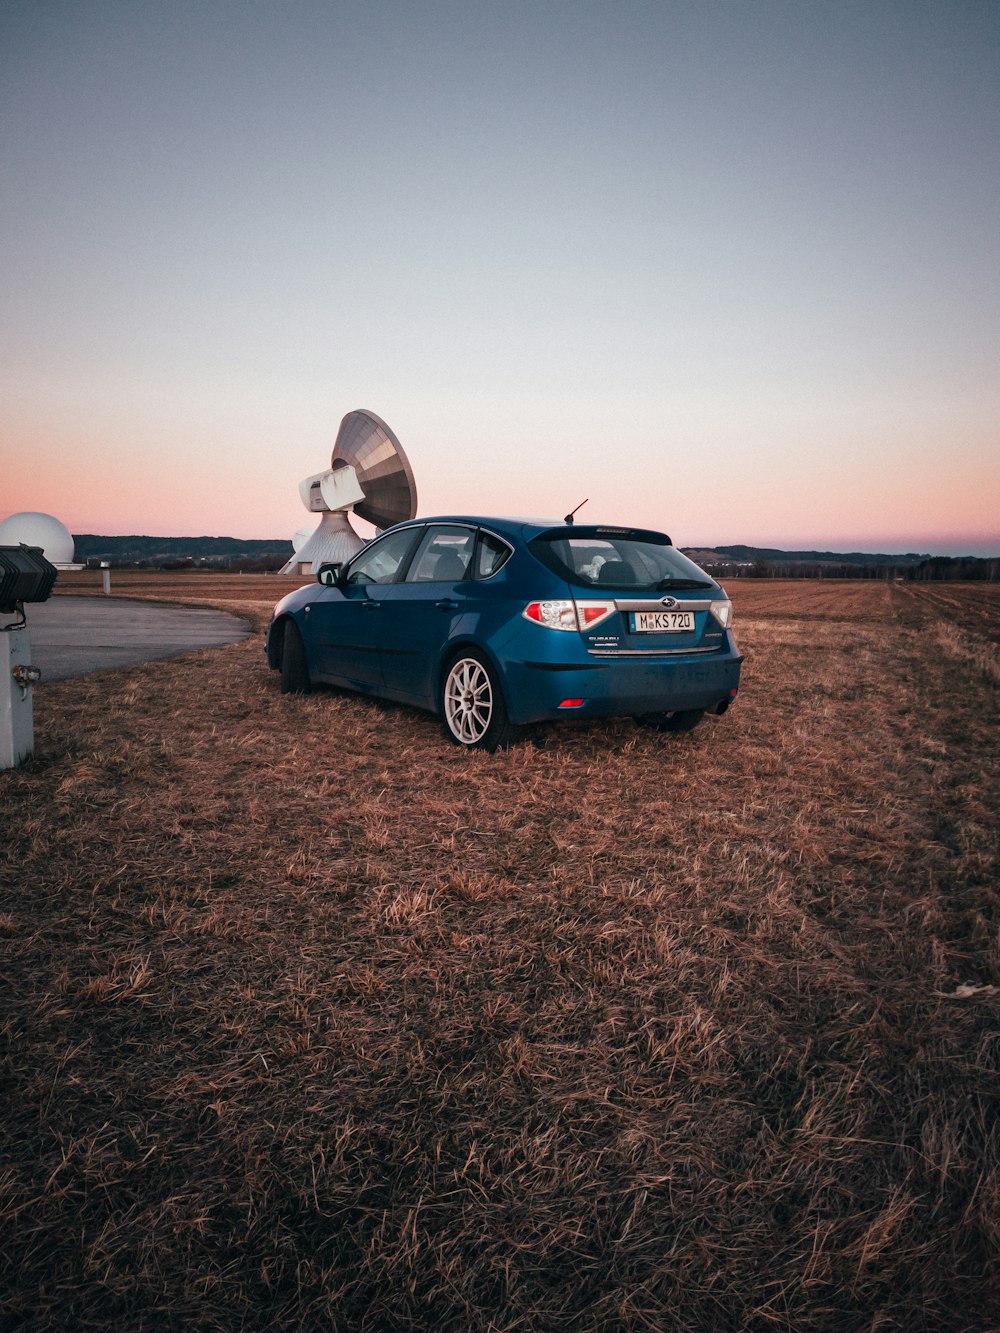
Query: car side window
(491, 553)
(380, 562)
(443, 556)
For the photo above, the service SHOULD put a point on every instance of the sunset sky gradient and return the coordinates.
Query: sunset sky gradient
(729, 268)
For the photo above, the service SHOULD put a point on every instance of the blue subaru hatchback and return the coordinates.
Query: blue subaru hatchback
(496, 623)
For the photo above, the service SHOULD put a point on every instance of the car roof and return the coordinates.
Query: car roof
(532, 527)
(511, 522)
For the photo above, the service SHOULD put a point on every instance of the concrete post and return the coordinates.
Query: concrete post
(17, 739)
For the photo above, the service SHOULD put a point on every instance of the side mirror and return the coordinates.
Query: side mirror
(329, 575)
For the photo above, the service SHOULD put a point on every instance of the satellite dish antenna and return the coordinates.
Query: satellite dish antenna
(368, 473)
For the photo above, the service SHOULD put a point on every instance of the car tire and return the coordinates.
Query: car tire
(685, 719)
(473, 710)
(294, 669)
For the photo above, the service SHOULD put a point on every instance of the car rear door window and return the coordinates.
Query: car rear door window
(443, 556)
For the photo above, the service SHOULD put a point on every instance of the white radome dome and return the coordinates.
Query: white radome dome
(42, 530)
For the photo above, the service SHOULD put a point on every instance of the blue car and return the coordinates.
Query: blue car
(497, 623)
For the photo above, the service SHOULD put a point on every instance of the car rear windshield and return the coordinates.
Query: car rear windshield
(617, 558)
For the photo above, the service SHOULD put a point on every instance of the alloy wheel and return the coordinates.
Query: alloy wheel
(468, 700)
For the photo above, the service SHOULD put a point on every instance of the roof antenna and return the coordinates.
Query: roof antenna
(568, 520)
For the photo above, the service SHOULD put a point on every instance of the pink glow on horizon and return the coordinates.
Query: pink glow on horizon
(946, 515)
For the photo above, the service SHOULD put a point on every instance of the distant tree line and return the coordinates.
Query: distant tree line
(224, 564)
(951, 568)
(219, 553)
(941, 568)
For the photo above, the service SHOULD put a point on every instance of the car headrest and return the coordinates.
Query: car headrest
(450, 568)
(616, 571)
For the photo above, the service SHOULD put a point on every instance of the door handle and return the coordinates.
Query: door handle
(370, 606)
(447, 604)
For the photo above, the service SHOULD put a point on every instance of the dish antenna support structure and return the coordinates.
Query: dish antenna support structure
(369, 474)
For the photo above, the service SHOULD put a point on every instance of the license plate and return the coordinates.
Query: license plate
(662, 622)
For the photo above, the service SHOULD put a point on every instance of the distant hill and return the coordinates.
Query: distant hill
(220, 551)
(132, 549)
(728, 561)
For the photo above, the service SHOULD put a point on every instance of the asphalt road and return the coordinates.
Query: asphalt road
(73, 636)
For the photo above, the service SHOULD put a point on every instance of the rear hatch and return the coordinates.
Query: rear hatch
(635, 593)
(680, 623)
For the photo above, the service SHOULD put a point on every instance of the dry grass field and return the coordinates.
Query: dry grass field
(309, 1020)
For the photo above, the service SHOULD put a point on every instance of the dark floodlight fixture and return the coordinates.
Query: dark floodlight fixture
(25, 576)
(369, 473)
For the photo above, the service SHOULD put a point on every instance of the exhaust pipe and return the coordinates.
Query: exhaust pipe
(723, 704)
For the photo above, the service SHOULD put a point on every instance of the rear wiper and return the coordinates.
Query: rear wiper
(681, 583)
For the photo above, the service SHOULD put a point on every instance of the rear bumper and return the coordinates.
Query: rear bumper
(617, 687)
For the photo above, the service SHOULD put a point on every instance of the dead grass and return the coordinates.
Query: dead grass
(310, 1020)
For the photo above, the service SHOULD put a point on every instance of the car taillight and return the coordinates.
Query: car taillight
(553, 615)
(568, 615)
(590, 614)
(723, 612)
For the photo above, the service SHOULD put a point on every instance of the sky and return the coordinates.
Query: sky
(725, 268)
